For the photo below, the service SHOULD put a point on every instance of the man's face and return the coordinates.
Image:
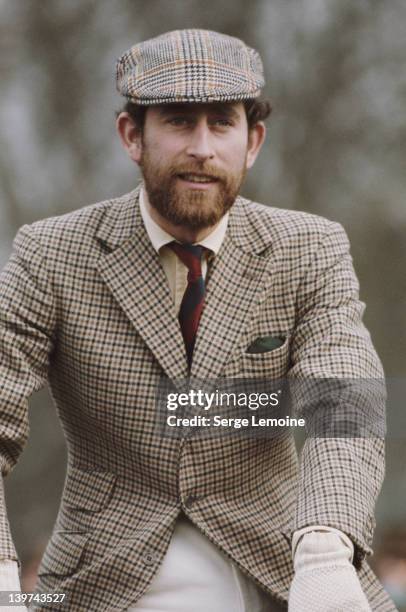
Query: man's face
(193, 159)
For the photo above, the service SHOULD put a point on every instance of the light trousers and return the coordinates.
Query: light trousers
(196, 577)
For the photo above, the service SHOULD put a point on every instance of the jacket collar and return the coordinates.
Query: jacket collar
(121, 220)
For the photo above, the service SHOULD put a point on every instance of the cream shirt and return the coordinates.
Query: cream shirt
(175, 270)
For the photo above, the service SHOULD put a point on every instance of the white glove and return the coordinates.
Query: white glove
(325, 579)
(10, 581)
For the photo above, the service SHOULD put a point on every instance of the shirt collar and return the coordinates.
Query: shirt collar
(159, 237)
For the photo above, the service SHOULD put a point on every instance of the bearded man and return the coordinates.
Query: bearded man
(183, 278)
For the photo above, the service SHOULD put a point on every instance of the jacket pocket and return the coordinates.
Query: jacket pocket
(63, 554)
(88, 490)
(265, 344)
(269, 364)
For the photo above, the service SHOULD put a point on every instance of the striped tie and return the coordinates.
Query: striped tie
(193, 298)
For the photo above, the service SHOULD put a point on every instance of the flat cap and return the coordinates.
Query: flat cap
(191, 65)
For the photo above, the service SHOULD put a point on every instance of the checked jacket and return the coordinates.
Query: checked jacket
(85, 307)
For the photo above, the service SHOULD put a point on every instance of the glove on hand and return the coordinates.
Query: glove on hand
(10, 581)
(325, 579)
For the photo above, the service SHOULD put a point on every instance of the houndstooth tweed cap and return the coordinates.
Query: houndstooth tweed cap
(191, 65)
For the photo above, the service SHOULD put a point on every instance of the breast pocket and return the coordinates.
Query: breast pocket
(271, 364)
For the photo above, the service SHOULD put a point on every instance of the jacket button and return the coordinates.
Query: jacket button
(149, 559)
(191, 500)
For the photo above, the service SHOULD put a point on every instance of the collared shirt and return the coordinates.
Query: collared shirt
(175, 270)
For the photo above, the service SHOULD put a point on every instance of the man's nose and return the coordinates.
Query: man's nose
(200, 145)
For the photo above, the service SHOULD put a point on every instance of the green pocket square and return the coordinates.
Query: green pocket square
(265, 344)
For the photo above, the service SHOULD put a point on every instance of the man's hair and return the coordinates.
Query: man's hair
(255, 110)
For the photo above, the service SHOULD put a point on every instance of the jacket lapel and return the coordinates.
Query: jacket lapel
(133, 273)
(233, 290)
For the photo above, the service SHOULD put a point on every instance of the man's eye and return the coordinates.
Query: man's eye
(223, 122)
(178, 120)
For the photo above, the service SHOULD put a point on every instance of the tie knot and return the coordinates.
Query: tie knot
(191, 256)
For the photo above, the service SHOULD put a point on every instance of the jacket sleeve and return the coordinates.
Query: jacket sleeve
(27, 324)
(337, 377)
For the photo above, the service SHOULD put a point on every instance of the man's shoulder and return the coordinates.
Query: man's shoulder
(84, 219)
(275, 225)
(81, 226)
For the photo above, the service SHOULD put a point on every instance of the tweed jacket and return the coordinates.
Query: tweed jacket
(85, 306)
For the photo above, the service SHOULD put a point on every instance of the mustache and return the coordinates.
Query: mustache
(210, 171)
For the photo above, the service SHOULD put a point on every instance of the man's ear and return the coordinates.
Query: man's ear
(130, 136)
(256, 137)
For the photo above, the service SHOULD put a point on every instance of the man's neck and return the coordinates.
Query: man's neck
(180, 232)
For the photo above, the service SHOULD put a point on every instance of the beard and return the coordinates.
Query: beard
(193, 208)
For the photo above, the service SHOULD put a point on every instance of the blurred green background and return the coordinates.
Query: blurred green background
(336, 147)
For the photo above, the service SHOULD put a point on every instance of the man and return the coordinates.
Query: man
(183, 277)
